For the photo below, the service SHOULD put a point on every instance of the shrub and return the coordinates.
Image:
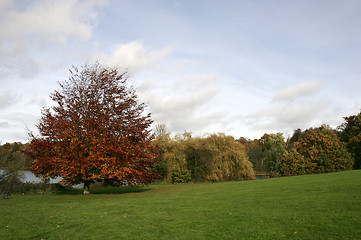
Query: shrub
(180, 175)
(293, 164)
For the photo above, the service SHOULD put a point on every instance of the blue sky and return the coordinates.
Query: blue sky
(243, 68)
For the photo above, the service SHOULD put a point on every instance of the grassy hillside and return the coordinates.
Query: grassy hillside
(305, 207)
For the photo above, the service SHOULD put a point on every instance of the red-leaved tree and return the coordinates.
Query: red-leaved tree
(96, 131)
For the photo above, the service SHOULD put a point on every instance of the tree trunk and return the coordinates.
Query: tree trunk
(87, 187)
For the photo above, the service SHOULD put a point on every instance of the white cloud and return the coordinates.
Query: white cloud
(7, 99)
(188, 106)
(27, 33)
(134, 57)
(16, 125)
(301, 106)
(181, 101)
(193, 82)
(308, 88)
(287, 117)
(4, 124)
(183, 104)
(55, 20)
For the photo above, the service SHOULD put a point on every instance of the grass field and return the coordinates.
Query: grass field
(324, 206)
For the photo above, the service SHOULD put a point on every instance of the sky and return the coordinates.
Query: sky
(243, 68)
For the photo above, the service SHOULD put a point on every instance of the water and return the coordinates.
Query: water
(262, 176)
(28, 176)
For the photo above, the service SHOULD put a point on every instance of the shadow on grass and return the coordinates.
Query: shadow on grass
(118, 190)
(104, 190)
(69, 192)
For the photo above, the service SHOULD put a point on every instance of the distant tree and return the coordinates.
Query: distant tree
(161, 143)
(245, 142)
(274, 147)
(293, 164)
(217, 158)
(214, 157)
(12, 156)
(323, 151)
(257, 156)
(351, 135)
(180, 175)
(97, 131)
(292, 140)
(170, 151)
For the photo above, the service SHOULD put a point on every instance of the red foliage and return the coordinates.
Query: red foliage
(97, 131)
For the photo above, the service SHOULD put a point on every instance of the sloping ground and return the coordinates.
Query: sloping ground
(323, 206)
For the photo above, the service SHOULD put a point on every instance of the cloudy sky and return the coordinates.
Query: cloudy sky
(240, 67)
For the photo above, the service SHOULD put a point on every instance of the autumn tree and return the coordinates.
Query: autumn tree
(322, 151)
(351, 135)
(217, 157)
(12, 156)
(214, 157)
(293, 163)
(96, 131)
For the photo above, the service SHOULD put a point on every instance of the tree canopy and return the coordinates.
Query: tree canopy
(351, 134)
(317, 150)
(215, 157)
(12, 156)
(96, 131)
(322, 147)
(266, 153)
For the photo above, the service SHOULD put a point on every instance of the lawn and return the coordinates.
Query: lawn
(326, 206)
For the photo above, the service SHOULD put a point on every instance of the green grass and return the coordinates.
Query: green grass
(324, 206)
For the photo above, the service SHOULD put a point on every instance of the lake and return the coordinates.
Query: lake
(28, 176)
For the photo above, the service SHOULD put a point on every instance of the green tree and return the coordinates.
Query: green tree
(274, 146)
(170, 151)
(351, 135)
(180, 175)
(323, 151)
(294, 163)
(257, 155)
(216, 157)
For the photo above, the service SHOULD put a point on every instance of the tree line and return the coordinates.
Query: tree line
(314, 150)
(218, 157)
(98, 131)
(12, 156)
(214, 157)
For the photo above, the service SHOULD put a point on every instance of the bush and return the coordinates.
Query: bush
(293, 164)
(180, 175)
